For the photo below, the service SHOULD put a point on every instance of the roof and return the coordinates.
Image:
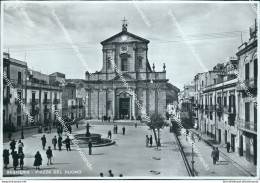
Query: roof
(125, 33)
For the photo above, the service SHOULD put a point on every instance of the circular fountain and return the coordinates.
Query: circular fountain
(95, 138)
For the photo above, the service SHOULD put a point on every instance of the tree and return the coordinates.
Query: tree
(156, 123)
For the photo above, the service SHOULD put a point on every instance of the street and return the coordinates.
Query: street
(128, 156)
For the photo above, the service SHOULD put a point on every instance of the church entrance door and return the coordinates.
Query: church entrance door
(124, 108)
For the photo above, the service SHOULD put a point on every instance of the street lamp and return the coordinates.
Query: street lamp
(192, 160)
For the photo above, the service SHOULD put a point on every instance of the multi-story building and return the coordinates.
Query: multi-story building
(35, 92)
(247, 102)
(186, 99)
(225, 100)
(107, 95)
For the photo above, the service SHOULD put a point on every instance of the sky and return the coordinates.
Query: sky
(214, 30)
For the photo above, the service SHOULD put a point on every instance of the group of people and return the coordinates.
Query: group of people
(38, 158)
(47, 129)
(56, 141)
(149, 140)
(109, 133)
(16, 156)
(115, 129)
(106, 118)
(215, 155)
(110, 174)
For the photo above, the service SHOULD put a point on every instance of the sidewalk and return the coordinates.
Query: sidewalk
(240, 161)
(224, 168)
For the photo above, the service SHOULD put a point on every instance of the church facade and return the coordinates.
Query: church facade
(105, 91)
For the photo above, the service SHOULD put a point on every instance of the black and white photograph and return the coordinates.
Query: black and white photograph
(129, 90)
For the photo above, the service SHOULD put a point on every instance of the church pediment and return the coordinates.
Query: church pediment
(124, 37)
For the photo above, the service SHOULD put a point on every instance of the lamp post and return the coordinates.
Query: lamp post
(192, 160)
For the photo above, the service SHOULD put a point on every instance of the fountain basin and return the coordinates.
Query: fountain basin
(96, 140)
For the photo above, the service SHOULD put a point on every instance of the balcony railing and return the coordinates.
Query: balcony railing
(225, 109)
(196, 106)
(18, 103)
(34, 112)
(219, 108)
(74, 106)
(56, 101)
(211, 107)
(34, 101)
(46, 101)
(247, 84)
(46, 110)
(232, 109)
(252, 126)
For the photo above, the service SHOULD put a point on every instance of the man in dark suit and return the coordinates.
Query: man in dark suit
(67, 141)
(90, 147)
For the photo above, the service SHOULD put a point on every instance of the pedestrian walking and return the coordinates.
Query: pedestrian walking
(15, 159)
(77, 125)
(49, 155)
(54, 142)
(60, 142)
(67, 142)
(12, 146)
(109, 134)
(61, 129)
(228, 147)
(37, 160)
(20, 146)
(21, 156)
(110, 173)
(116, 128)
(10, 136)
(151, 140)
(135, 124)
(147, 140)
(109, 119)
(89, 147)
(213, 155)
(70, 129)
(43, 139)
(50, 129)
(217, 154)
(123, 130)
(6, 155)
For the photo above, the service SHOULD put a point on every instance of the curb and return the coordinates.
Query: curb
(226, 155)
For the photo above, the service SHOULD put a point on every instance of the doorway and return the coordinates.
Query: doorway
(219, 135)
(124, 108)
(233, 142)
(241, 151)
(225, 136)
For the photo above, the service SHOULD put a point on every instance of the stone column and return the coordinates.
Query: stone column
(133, 103)
(113, 103)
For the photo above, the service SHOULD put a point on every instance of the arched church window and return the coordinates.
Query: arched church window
(109, 62)
(140, 62)
(124, 64)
